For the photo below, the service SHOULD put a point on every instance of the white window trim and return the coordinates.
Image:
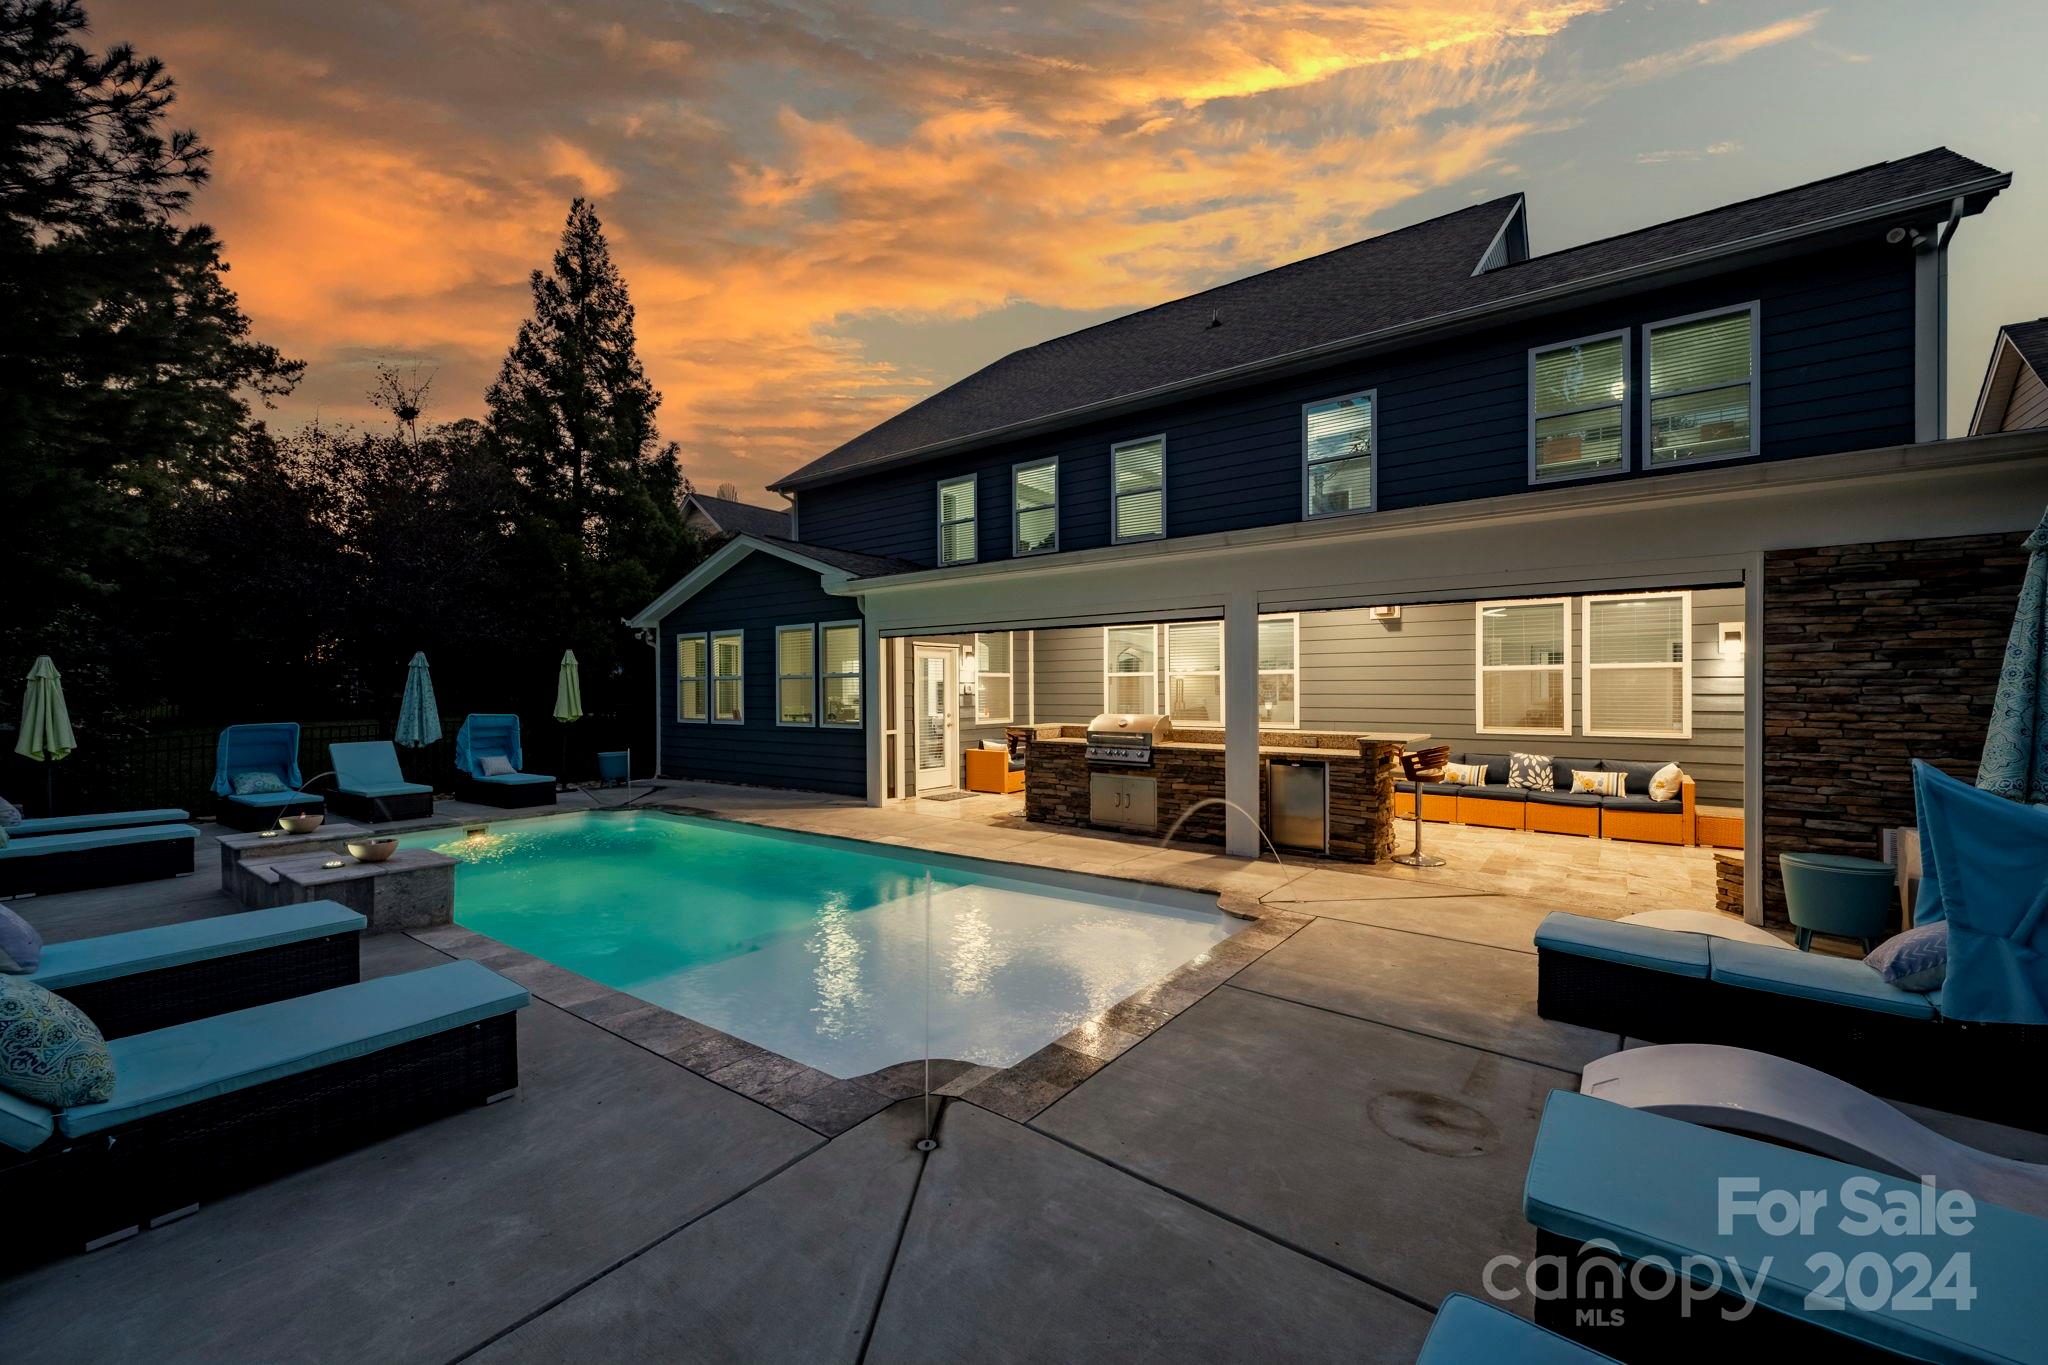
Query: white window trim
(1480, 668)
(703, 677)
(780, 677)
(861, 691)
(1009, 681)
(1158, 658)
(1756, 407)
(1167, 675)
(1294, 672)
(1628, 383)
(1372, 457)
(1116, 496)
(1051, 462)
(1684, 666)
(712, 637)
(973, 518)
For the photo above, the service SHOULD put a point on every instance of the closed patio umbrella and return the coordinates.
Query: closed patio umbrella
(2016, 745)
(568, 701)
(45, 724)
(419, 720)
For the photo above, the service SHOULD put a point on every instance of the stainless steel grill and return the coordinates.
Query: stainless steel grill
(1126, 740)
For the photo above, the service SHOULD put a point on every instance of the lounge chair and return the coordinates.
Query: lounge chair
(1768, 1098)
(82, 824)
(271, 750)
(1469, 1332)
(222, 1102)
(1611, 1186)
(484, 738)
(368, 784)
(153, 978)
(101, 857)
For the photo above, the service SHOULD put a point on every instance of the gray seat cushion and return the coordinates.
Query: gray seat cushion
(1565, 798)
(1489, 793)
(1641, 803)
(1433, 788)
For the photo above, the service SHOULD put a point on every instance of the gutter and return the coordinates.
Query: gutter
(1387, 337)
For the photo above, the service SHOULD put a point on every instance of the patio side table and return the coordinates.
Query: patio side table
(1833, 893)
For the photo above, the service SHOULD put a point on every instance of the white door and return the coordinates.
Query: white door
(936, 671)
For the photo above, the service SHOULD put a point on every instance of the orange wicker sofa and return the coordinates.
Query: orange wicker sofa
(1559, 810)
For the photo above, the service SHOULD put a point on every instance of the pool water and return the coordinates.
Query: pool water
(816, 948)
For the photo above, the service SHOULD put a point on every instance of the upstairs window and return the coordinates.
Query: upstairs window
(1703, 388)
(1337, 455)
(994, 679)
(693, 685)
(1279, 671)
(956, 520)
(728, 677)
(1138, 477)
(796, 675)
(839, 683)
(1130, 669)
(1578, 406)
(1637, 682)
(1194, 671)
(1035, 503)
(1524, 666)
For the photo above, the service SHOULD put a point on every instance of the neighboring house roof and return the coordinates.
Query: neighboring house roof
(731, 518)
(1391, 288)
(834, 566)
(2018, 348)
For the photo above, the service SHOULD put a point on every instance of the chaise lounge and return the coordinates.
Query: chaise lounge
(368, 784)
(256, 776)
(85, 824)
(487, 753)
(50, 863)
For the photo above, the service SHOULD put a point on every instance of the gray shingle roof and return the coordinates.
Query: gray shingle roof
(1400, 280)
(859, 565)
(2030, 339)
(742, 518)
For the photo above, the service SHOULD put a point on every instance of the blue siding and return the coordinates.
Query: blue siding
(1836, 361)
(756, 595)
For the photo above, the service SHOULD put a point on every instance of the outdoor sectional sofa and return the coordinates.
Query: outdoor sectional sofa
(216, 1104)
(1559, 810)
(49, 863)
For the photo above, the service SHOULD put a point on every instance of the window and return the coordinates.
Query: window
(692, 686)
(1637, 681)
(1578, 401)
(956, 520)
(1194, 671)
(839, 683)
(1703, 387)
(1337, 455)
(1130, 669)
(1279, 671)
(1138, 479)
(1035, 501)
(796, 675)
(728, 677)
(1523, 654)
(994, 691)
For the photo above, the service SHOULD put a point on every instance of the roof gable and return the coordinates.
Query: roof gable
(732, 517)
(2018, 347)
(833, 566)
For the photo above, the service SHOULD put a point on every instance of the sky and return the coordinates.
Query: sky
(825, 211)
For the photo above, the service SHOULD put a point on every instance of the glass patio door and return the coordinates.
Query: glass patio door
(937, 717)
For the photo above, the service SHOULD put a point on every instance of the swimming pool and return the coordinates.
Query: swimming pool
(814, 947)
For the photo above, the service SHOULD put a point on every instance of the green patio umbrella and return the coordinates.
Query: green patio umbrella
(568, 700)
(419, 719)
(45, 724)
(2016, 745)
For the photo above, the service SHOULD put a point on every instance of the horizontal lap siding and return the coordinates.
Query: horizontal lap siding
(1836, 348)
(756, 595)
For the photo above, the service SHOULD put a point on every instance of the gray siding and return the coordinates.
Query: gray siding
(2029, 404)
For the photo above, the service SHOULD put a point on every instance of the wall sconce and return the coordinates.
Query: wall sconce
(1734, 639)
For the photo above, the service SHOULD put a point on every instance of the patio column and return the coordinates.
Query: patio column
(873, 711)
(1241, 723)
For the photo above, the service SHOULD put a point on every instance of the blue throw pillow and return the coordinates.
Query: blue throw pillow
(256, 784)
(21, 947)
(50, 1053)
(1916, 960)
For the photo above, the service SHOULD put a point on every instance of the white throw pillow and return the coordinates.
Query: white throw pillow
(1666, 783)
(496, 765)
(1599, 784)
(1470, 774)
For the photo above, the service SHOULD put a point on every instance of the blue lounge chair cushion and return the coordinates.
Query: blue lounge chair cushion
(50, 1053)
(92, 839)
(517, 779)
(1986, 863)
(24, 1126)
(173, 1067)
(272, 748)
(1632, 945)
(1650, 1185)
(86, 960)
(72, 824)
(375, 789)
(370, 768)
(1468, 1332)
(291, 798)
(1811, 976)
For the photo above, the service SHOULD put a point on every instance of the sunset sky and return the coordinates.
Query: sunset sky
(827, 210)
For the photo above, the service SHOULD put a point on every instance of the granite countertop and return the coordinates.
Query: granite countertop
(1268, 750)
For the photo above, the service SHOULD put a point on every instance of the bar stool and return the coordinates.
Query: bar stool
(1418, 766)
(1833, 893)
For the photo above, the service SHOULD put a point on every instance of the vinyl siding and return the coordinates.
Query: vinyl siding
(2029, 404)
(1836, 373)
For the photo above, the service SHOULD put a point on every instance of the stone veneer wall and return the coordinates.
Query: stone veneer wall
(1875, 655)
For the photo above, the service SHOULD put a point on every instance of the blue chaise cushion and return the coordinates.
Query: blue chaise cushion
(124, 819)
(1812, 976)
(370, 768)
(187, 1063)
(92, 839)
(24, 1126)
(1468, 1332)
(1916, 960)
(517, 779)
(50, 1053)
(1632, 945)
(21, 947)
(86, 960)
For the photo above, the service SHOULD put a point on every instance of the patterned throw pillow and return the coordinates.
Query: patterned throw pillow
(1916, 960)
(1666, 783)
(496, 765)
(1599, 784)
(21, 947)
(10, 814)
(1470, 774)
(256, 784)
(1530, 771)
(50, 1053)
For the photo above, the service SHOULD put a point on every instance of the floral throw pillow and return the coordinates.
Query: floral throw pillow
(1599, 783)
(256, 784)
(50, 1053)
(1531, 772)
(1469, 774)
(1666, 783)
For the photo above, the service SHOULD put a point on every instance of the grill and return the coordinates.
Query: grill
(1126, 740)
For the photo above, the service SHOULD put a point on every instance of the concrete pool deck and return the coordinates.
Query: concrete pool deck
(1302, 1162)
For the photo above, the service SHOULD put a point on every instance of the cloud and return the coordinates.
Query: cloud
(1687, 153)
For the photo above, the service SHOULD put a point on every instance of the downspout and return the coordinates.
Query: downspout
(1930, 322)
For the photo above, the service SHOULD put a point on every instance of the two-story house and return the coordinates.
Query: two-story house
(1427, 482)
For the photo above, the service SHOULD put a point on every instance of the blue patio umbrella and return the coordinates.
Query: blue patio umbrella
(2016, 746)
(419, 720)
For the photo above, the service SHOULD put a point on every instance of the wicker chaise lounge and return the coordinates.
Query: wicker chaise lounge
(483, 745)
(81, 824)
(368, 784)
(270, 750)
(50, 863)
(220, 1103)
(153, 978)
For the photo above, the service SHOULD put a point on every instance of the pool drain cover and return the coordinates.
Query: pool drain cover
(1432, 1123)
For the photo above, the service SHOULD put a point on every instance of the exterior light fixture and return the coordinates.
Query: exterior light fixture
(1734, 640)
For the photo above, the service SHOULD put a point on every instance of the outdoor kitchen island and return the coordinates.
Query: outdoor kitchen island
(1328, 792)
